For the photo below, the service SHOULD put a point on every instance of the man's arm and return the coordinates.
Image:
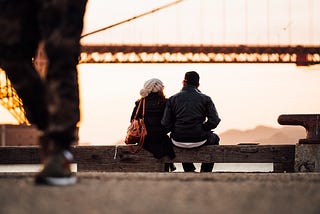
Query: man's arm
(167, 120)
(212, 115)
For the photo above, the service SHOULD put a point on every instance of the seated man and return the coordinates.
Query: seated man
(190, 116)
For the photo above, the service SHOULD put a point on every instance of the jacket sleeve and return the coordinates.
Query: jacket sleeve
(167, 119)
(212, 116)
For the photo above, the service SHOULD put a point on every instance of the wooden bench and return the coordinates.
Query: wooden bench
(119, 158)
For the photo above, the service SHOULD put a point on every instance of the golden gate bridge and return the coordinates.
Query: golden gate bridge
(220, 51)
(300, 55)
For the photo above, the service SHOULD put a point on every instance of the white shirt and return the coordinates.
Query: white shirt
(188, 144)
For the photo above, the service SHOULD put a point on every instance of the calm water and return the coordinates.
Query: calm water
(245, 95)
(218, 167)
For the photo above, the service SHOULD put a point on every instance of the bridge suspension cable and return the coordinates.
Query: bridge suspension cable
(133, 18)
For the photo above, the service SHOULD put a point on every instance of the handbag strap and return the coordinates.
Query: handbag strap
(143, 101)
(143, 107)
(138, 147)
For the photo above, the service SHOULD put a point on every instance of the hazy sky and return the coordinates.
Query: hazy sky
(246, 95)
(206, 21)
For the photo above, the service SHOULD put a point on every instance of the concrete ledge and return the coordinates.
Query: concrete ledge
(307, 158)
(237, 193)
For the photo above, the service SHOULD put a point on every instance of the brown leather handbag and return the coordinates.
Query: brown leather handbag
(137, 131)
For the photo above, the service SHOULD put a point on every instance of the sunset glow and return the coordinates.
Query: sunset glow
(246, 95)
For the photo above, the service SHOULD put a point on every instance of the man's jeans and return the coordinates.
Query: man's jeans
(213, 139)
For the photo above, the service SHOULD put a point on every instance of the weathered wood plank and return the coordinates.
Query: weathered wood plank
(283, 167)
(115, 159)
(237, 154)
(19, 155)
(112, 158)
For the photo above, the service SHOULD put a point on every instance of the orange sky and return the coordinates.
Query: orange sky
(245, 95)
(206, 21)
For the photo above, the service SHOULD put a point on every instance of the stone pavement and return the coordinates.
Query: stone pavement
(165, 193)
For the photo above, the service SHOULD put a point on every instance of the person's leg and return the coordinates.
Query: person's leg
(18, 43)
(206, 167)
(213, 139)
(188, 167)
(168, 150)
(61, 25)
(29, 88)
(169, 167)
(172, 167)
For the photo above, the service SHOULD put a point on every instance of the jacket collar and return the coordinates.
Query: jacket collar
(189, 88)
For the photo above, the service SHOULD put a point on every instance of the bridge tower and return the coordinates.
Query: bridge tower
(10, 99)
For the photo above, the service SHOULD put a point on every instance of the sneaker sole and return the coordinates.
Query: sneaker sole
(61, 181)
(55, 181)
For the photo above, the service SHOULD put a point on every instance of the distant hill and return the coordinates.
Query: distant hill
(263, 135)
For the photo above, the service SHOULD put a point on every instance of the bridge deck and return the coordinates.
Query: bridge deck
(301, 55)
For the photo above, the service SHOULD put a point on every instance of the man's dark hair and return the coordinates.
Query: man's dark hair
(192, 78)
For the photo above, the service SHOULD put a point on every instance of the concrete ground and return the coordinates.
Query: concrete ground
(165, 193)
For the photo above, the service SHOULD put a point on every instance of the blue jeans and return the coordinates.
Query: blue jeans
(213, 139)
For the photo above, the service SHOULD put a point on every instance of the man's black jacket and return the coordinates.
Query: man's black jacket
(190, 115)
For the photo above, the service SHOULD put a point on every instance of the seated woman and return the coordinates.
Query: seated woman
(157, 141)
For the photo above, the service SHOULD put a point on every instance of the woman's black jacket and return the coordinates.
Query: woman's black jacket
(157, 141)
